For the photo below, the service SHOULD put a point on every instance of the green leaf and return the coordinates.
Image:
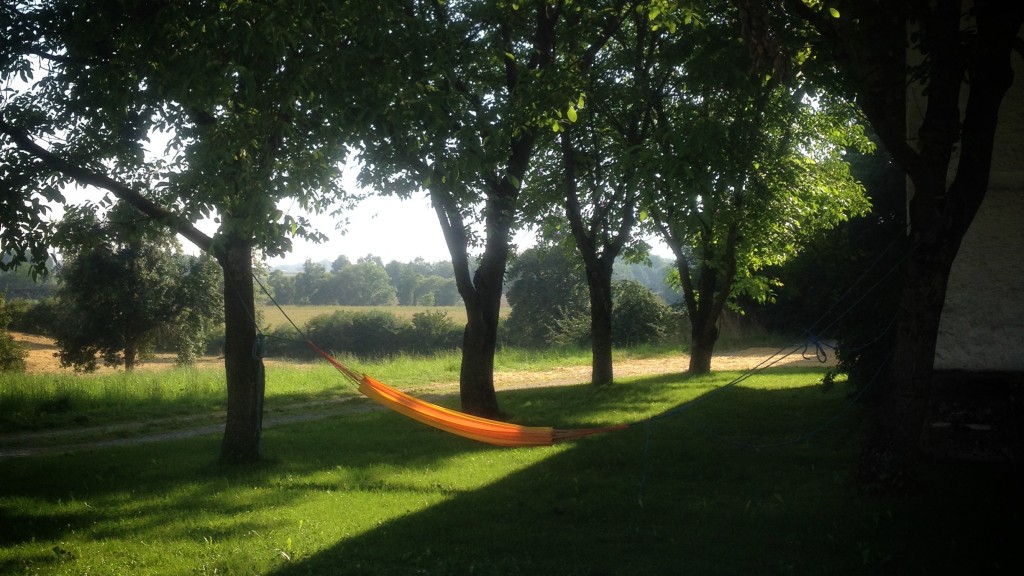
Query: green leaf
(510, 56)
(571, 113)
(833, 12)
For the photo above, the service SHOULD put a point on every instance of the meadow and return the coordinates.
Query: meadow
(273, 316)
(711, 478)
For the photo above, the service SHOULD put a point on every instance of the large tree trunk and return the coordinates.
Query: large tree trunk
(481, 293)
(939, 218)
(130, 357)
(242, 359)
(476, 375)
(703, 336)
(480, 339)
(599, 282)
(705, 300)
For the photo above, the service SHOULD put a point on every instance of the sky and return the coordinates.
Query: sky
(384, 226)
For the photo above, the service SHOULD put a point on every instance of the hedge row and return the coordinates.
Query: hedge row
(371, 333)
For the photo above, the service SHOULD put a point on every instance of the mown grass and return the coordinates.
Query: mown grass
(374, 493)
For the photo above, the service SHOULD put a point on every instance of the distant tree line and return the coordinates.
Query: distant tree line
(367, 282)
(370, 282)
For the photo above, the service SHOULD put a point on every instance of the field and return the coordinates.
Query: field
(715, 476)
(273, 317)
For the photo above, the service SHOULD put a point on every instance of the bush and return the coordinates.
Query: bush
(40, 317)
(638, 316)
(431, 332)
(372, 333)
(12, 355)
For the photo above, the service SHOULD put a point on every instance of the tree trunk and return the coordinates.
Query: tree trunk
(703, 336)
(480, 339)
(476, 376)
(481, 293)
(599, 282)
(939, 218)
(242, 359)
(130, 357)
(890, 454)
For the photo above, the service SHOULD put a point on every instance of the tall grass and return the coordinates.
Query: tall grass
(374, 493)
(38, 401)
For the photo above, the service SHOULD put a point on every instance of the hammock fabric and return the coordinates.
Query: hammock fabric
(453, 422)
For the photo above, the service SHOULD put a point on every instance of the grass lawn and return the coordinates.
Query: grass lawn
(695, 492)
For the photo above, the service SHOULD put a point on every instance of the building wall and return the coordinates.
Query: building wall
(982, 325)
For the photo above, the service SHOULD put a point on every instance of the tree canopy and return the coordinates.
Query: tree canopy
(253, 101)
(122, 283)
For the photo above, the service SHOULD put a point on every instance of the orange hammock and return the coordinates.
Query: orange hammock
(465, 425)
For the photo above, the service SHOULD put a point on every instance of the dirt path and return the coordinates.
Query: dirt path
(42, 359)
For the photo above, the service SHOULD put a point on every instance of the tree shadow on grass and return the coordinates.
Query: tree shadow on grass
(663, 498)
(666, 496)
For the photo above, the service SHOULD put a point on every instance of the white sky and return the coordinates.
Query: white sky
(384, 226)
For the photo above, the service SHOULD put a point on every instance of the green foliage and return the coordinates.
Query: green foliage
(424, 283)
(639, 317)
(371, 333)
(431, 332)
(367, 283)
(198, 311)
(40, 317)
(121, 284)
(546, 288)
(775, 176)
(12, 355)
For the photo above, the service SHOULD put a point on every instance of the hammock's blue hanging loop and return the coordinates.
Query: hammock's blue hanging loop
(819, 348)
(259, 347)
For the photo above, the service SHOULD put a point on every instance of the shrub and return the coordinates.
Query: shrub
(39, 317)
(12, 355)
(370, 333)
(638, 316)
(431, 332)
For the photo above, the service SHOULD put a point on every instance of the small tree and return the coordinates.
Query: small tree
(121, 283)
(198, 308)
(546, 287)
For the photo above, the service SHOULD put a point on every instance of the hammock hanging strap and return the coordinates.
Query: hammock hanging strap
(458, 423)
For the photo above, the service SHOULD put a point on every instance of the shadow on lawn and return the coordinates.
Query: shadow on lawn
(665, 497)
(670, 497)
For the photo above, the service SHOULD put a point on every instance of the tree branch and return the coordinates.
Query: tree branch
(89, 177)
